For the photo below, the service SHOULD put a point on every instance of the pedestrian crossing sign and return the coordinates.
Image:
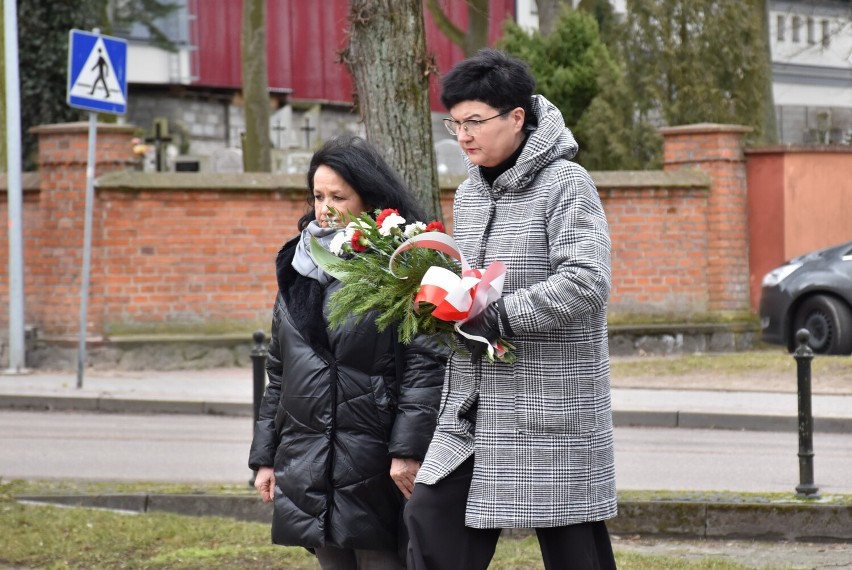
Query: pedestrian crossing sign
(97, 73)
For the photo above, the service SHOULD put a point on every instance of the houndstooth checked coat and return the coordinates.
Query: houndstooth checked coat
(542, 434)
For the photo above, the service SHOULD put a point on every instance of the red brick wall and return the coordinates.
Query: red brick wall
(718, 151)
(195, 251)
(190, 257)
(55, 260)
(659, 236)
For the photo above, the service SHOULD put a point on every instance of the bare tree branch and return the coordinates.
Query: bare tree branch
(447, 27)
(476, 36)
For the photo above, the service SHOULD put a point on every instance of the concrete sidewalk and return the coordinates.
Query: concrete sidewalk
(229, 391)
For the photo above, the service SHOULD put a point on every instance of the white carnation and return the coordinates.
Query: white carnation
(336, 245)
(412, 230)
(390, 223)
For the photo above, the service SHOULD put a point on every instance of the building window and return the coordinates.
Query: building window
(811, 31)
(780, 22)
(826, 33)
(797, 29)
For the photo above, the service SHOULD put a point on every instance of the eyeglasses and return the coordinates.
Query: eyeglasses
(470, 126)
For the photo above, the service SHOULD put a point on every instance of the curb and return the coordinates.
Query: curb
(712, 420)
(123, 405)
(620, 418)
(764, 521)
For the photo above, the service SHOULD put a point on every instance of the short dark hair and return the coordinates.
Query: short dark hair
(490, 76)
(363, 168)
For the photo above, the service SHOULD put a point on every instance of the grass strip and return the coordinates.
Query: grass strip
(52, 538)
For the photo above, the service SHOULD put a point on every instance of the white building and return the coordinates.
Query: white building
(811, 45)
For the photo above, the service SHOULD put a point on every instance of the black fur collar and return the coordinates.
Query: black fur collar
(303, 297)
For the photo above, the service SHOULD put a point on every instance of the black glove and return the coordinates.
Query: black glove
(485, 324)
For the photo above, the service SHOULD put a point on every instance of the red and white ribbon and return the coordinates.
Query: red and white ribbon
(456, 298)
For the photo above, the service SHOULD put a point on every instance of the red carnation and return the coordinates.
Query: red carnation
(385, 213)
(356, 242)
(435, 226)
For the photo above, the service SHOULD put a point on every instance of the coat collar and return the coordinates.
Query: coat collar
(550, 140)
(304, 298)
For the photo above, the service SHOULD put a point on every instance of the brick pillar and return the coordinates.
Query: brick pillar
(718, 151)
(57, 269)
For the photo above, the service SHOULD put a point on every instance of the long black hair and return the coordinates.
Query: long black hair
(363, 168)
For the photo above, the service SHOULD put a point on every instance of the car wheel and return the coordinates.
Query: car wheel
(829, 321)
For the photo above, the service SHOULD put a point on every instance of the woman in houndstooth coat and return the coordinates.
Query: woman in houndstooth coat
(532, 441)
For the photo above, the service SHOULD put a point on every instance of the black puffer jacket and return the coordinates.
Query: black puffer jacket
(334, 413)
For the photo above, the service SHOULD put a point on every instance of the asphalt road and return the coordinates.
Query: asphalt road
(206, 448)
(177, 448)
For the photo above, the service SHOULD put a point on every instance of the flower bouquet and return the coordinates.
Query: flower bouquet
(412, 274)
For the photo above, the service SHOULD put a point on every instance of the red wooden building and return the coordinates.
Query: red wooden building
(303, 39)
(197, 91)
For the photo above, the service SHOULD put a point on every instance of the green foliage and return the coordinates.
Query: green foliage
(578, 74)
(371, 287)
(565, 64)
(604, 15)
(43, 30)
(612, 135)
(672, 62)
(381, 276)
(697, 61)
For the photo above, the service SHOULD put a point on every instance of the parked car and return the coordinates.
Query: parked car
(812, 291)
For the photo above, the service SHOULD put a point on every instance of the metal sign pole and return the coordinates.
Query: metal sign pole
(87, 247)
(17, 350)
(97, 82)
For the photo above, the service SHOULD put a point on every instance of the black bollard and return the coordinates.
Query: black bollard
(804, 355)
(258, 361)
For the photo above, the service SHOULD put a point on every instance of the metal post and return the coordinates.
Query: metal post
(17, 349)
(258, 361)
(87, 247)
(804, 355)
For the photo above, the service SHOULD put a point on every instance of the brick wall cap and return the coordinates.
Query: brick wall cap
(30, 181)
(81, 127)
(273, 182)
(686, 178)
(799, 149)
(704, 128)
(128, 341)
(238, 181)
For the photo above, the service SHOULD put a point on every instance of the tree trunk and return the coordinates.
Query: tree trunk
(388, 60)
(256, 143)
(548, 13)
(770, 122)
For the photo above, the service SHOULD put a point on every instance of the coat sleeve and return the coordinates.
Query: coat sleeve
(419, 396)
(579, 255)
(265, 441)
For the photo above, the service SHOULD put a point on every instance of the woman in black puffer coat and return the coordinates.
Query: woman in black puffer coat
(348, 412)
